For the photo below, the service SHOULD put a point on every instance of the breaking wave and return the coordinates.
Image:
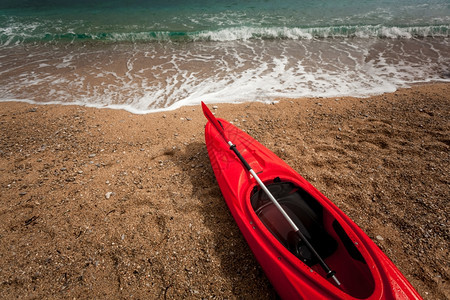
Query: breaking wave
(22, 33)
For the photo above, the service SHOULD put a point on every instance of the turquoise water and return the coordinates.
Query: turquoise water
(150, 55)
(25, 21)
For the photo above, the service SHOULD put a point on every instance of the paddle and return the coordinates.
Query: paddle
(212, 119)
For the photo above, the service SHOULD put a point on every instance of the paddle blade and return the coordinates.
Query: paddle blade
(212, 119)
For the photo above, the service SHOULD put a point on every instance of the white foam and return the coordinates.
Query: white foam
(149, 78)
(364, 31)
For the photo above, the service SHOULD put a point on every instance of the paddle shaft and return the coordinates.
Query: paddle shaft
(329, 272)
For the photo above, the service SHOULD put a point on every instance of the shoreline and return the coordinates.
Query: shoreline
(103, 203)
(175, 106)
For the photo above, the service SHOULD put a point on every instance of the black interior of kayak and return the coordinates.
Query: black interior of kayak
(307, 214)
(304, 211)
(323, 232)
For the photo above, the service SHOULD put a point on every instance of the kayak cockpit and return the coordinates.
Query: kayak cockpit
(321, 229)
(306, 213)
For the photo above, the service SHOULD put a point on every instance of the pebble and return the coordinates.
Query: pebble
(108, 195)
(380, 238)
(215, 107)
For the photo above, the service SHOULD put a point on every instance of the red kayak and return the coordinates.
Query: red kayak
(325, 244)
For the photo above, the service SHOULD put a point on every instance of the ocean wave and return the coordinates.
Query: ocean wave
(22, 34)
(364, 31)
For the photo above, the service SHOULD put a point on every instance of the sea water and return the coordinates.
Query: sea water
(151, 55)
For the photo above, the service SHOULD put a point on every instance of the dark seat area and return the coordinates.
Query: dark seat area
(304, 211)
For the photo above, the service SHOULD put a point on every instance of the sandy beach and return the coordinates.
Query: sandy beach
(101, 203)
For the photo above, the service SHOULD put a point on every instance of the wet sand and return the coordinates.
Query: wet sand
(100, 203)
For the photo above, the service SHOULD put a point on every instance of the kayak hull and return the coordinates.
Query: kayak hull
(363, 269)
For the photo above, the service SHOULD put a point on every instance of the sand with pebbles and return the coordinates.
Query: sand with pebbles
(99, 203)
